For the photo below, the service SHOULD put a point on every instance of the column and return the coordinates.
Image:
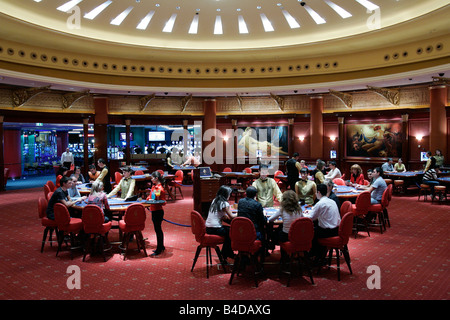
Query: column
(86, 145)
(2, 158)
(235, 142)
(438, 118)
(101, 105)
(128, 141)
(405, 140)
(209, 122)
(291, 136)
(316, 127)
(185, 139)
(341, 141)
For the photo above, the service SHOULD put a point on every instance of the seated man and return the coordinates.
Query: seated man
(125, 186)
(388, 166)
(93, 173)
(267, 188)
(326, 217)
(305, 189)
(61, 195)
(378, 186)
(250, 208)
(73, 191)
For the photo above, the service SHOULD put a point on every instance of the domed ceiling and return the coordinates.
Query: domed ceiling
(230, 34)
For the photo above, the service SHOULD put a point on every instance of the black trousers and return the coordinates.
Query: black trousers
(316, 249)
(224, 231)
(157, 219)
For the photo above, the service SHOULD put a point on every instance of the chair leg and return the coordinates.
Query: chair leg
(87, 247)
(237, 264)
(141, 239)
(222, 261)
(347, 258)
(338, 264)
(197, 253)
(386, 217)
(60, 241)
(307, 263)
(44, 238)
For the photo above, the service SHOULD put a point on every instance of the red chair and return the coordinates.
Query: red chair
(339, 243)
(346, 206)
(117, 177)
(248, 170)
(243, 240)
(177, 183)
(133, 223)
(300, 236)
(138, 173)
(379, 210)
(359, 209)
(50, 225)
(58, 178)
(205, 240)
(227, 169)
(339, 181)
(277, 173)
(95, 228)
(161, 172)
(49, 195)
(46, 191)
(385, 212)
(51, 185)
(67, 225)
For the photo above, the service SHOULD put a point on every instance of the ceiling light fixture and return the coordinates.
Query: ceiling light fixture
(193, 29)
(369, 5)
(290, 20)
(96, 11)
(169, 24)
(218, 25)
(316, 17)
(68, 5)
(119, 19)
(242, 25)
(266, 23)
(144, 22)
(342, 12)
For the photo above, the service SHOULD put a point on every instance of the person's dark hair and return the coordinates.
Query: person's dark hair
(128, 169)
(290, 202)
(333, 163)
(263, 167)
(64, 180)
(369, 170)
(303, 170)
(429, 154)
(379, 170)
(251, 192)
(322, 188)
(320, 165)
(433, 163)
(221, 197)
(101, 160)
(157, 175)
(295, 154)
(92, 166)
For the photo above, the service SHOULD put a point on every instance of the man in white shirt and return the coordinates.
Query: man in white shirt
(334, 172)
(67, 159)
(326, 218)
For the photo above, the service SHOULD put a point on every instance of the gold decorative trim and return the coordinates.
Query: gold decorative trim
(346, 98)
(70, 98)
(391, 95)
(144, 101)
(185, 101)
(22, 96)
(279, 100)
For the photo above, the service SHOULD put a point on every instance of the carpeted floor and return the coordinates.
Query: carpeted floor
(412, 256)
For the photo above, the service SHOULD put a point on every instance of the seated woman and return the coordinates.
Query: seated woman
(289, 211)
(219, 209)
(399, 166)
(334, 172)
(356, 177)
(430, 176)
(99, 198)
(78, 176)
(305, 189)
(319, 176)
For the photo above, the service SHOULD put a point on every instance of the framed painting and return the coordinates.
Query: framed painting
(263, 141)
(374, 140)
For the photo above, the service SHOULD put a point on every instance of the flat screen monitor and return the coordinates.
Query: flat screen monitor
(205, 172)
(156, 136)
(123, 136)
(423, 156)
(333, 154)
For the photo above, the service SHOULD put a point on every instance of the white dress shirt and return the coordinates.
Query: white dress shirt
(67, 157)
(326, 212)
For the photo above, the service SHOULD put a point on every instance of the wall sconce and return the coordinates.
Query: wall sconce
(419, 137)
(332, 138)
(225, 138)
(301, 138)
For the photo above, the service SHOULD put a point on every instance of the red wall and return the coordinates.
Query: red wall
(12, 153)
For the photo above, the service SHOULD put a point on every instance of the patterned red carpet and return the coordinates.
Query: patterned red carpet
(412, 256)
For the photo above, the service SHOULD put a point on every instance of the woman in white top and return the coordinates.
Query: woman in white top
(334, 172)
(220, 209)
(289, 211)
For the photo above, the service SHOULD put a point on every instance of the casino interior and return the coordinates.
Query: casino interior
(144, 83)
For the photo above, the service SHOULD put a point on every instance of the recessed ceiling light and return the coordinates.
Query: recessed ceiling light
(96, 11)
(369, 5)
(193, 29)
(266, 23)
(144, 22)
(218, 25)
(68, 5)
(316, 17)
(119, 19)
(242, 25)
(170, 23)
(342, 12)
(290, 19)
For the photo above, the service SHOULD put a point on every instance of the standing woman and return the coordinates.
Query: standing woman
(104, 176)
(219, 209)
(157, 193)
